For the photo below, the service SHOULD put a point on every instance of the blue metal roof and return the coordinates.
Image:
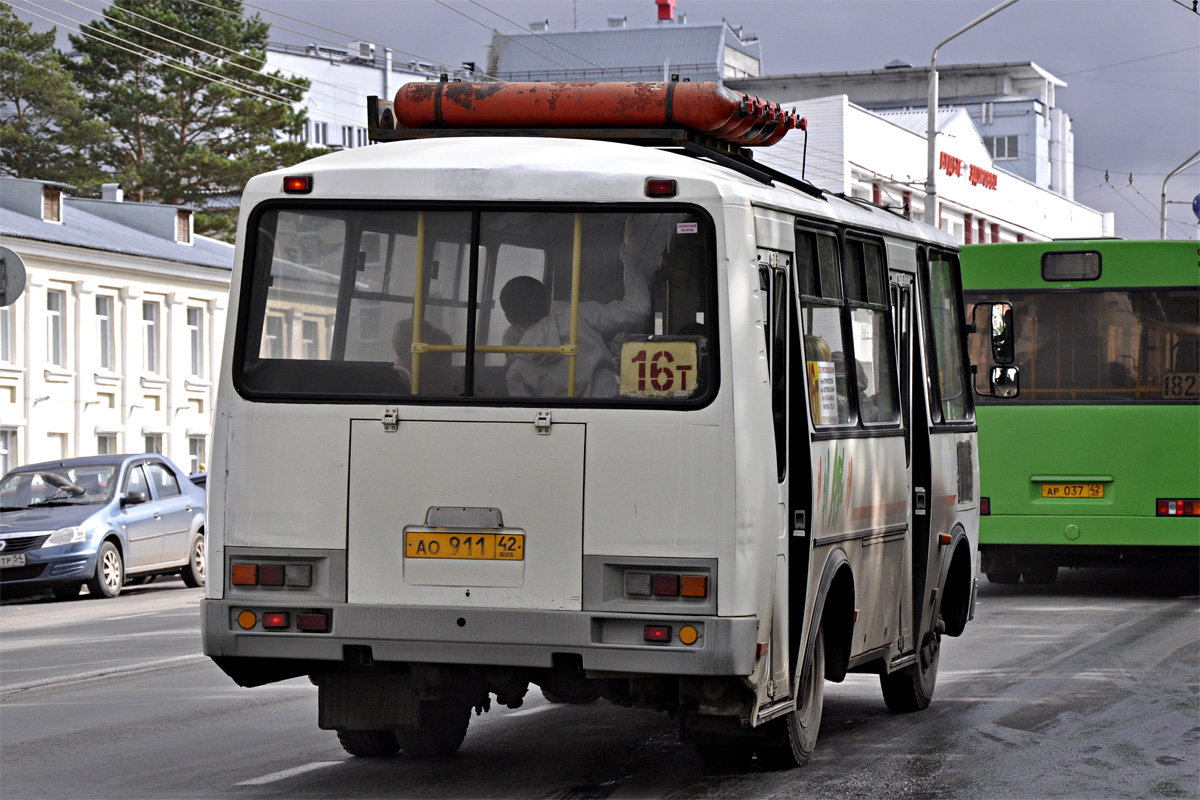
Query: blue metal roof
(82, 229)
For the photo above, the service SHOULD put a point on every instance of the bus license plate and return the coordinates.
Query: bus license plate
(1088, 490)
(474, 546)
(12, 560)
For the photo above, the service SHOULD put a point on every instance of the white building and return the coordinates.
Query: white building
(116, 342)
(1006, 161)
(341, 80)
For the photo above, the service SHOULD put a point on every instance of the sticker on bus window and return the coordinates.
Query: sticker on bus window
(687, 227)
(1181, 386)
(659, 367)
(822, 388)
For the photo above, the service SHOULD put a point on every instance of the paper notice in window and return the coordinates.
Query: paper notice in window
(822, 389)
(687, 227)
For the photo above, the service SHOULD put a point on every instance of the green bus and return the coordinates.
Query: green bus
(1096, 460)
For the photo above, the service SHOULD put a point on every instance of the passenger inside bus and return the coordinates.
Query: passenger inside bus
(436, 374)
(526, 305)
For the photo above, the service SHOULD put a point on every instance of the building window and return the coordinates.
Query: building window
(8, 450)
(150, 336)
(195, 326)
(348, 136)
(56, 446)
(51, 204)
(104, 331)
(183, 227)
(320, 133)
(56, 335)
(272, 346)
(106, 444)
(154, 443)
(362, 137)
(6, 334)
(308, 339)
(197, 461)
(1002, 148)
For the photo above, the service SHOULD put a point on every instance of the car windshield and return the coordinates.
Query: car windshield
(67, 485)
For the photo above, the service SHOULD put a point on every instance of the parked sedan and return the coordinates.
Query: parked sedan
(99, 521)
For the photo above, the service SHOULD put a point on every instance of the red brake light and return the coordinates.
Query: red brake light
(314, 622)
(657, 633)
(985, 506)
(275, 619)
(660, 188)
(298, 184)
(270, 574)
(665, 585)
(1167, 507)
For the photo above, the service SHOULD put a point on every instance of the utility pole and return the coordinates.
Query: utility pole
(1162, 214)
(931, 201)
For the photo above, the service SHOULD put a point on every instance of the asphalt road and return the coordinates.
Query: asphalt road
(1089, 688)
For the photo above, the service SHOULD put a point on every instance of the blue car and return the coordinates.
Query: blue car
(102, 521)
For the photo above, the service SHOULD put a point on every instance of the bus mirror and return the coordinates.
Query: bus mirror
(1006, 382)
(1003, 340)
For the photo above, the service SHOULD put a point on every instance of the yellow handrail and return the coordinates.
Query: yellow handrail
(418, 304)
(576, 260)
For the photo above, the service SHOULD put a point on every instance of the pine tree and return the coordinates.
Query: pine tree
(193, 113)
(43, 131)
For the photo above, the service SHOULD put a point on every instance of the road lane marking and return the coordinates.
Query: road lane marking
(288, 773)
(81, 677)
(525, 711)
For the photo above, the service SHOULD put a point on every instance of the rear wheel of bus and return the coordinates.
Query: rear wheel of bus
(911, 688)
(440, 731)
(802, 725)
(369, 744)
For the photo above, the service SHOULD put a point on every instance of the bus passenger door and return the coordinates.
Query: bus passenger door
(901, 289)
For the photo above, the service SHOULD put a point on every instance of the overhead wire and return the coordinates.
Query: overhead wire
(506, 36)
(546, 40)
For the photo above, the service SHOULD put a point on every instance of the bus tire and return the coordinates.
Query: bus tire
(1040, 574)
(441, 731)
(1004, 576)
(911, 688)
(803, 724)
(369, 744)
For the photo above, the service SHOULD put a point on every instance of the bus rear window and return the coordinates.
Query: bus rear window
(1080, 266)
(502, 304)
(1105, 346)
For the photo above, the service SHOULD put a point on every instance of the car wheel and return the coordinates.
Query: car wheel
(193, 573)
(110, 572)
(68, 592)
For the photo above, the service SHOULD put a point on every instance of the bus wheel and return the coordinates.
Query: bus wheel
(911, 688)
(1007, 575)
(369, 744)
(441, 731)
(1040, 574)
(802, 724)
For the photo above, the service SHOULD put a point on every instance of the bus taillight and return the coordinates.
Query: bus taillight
(1178, 508)
(985, 506)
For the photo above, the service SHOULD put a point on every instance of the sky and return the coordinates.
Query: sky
(1132, 67)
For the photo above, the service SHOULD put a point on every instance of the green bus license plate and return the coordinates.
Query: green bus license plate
(474, 546)
(12, 560)
(1088, 490)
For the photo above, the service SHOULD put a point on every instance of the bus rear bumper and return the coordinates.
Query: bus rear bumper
(482, 637)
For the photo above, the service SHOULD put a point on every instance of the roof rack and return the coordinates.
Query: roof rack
(382, 127)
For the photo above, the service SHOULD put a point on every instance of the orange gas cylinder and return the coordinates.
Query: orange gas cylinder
(700, 107)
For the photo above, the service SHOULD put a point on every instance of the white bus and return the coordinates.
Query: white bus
(500, 410)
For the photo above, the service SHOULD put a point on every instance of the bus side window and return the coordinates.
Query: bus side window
(821, 327)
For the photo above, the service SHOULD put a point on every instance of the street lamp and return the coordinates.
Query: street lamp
(931, 212)
(1162, 215)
